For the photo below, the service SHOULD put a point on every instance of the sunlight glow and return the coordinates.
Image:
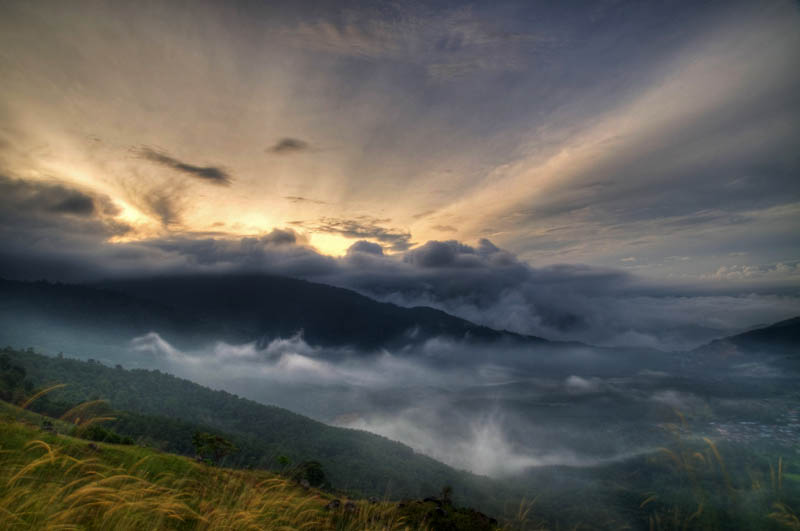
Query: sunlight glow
(330, 244)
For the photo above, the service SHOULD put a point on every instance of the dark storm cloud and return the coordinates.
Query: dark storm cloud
(77, 203)
(287, 145)
(280, 237)
(280, 252)
(213, 174)
(489, 285)
(363, 246)
(362, 227)
(51, 230)
(29, 199)
(436, 254)
(22, 201)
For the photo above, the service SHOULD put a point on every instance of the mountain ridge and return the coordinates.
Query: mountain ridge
(781, 339)
(238, 309)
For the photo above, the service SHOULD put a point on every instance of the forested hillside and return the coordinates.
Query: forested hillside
(353, 461)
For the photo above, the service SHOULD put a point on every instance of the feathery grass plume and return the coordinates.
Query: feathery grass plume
(700, 464)
(74, 414)
(40, 394)
(784, 515)
(50, 484)
(721, 462)
(521, 517)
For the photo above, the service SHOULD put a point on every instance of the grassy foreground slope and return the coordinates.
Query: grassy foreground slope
(354, 461)
(53, 481)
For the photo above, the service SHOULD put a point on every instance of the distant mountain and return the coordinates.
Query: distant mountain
(189, 310)
(779, 339)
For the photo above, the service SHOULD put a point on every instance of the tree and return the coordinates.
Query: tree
(312, 472)
(212, 447)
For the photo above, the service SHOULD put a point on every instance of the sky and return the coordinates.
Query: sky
(548, 152)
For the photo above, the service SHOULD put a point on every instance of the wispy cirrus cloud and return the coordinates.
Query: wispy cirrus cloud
(361, 227)
(301, 199)
(287, 145)
(213, 174)
(446, 43)
(444, 228)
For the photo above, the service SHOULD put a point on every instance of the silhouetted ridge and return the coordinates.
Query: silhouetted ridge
(242, 308)
(781, 338)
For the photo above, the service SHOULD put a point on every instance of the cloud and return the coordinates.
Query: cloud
(363, 246)
(447, 43)
(287, 145)
(293, 368)
(491, 286)
(50, 228)
(577, 385)
(299, 199)
(456, 403)
(734, 272)
(281, 251)
(444, 228)
(77, 204)
(619, 161)
(280, 237)
(40, 198)
(288, 360)
(437, 254)
(482, 283)
(161, 204)
(212, 174)
(484, 450)
(33, 205)
(362, 227)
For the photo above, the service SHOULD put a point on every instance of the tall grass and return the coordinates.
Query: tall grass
(709, 496)
(58, 482)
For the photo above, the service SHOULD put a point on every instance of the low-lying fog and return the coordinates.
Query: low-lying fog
(491, 410)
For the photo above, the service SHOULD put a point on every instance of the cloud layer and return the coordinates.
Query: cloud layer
(470, 407)
(482, 283)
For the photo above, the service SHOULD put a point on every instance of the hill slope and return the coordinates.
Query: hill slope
(354, 461)
(51, 480)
